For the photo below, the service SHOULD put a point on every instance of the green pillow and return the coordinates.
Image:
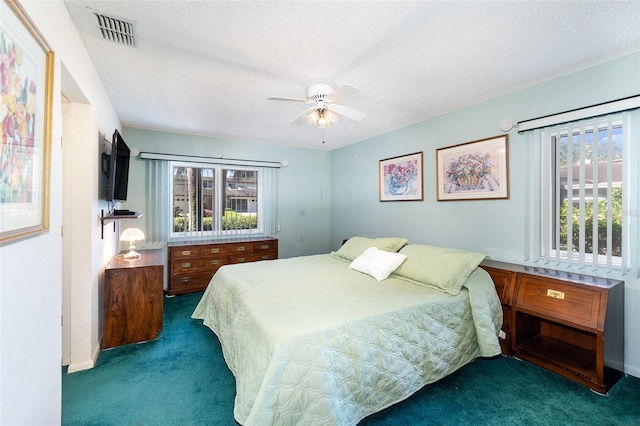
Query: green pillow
(355, 246)
(437, 267)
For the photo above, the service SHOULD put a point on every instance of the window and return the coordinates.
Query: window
(215, 200)
(580, 192)
(588, 187)
(191, 197)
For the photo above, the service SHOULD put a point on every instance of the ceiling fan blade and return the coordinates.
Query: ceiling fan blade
(342, 92)
(280, 98)
(347, 112)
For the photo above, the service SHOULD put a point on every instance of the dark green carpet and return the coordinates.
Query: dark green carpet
(182, 379)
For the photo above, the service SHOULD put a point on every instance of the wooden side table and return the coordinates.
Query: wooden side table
(567, 322)
(133, 297)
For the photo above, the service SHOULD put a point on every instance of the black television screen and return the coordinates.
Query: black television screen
(118, 178)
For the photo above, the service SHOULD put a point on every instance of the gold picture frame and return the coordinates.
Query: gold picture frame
(477, 170)
(25, 148)
(400, 178)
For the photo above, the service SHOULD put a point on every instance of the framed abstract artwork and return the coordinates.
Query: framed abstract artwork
(477, 170)
(25, 117)
(400, 178)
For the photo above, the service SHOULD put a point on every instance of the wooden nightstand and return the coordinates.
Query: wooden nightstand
(133, 297)
(569, 323)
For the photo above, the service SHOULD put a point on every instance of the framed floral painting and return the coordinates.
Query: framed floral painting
(25, 125)
(401, 178)
(477, 170)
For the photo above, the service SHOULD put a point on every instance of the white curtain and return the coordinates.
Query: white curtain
(271, 200)
(157, 208)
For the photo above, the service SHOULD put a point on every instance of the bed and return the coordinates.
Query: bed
(318, 340)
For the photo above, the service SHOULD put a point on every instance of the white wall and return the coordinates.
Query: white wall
(31, 270)
(83, 254)
(495, 227)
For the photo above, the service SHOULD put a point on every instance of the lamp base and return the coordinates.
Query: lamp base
(132, 254)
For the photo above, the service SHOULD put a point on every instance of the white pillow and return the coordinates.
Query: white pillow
(377, 263)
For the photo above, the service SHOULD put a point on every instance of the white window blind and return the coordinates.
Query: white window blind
(582, 188)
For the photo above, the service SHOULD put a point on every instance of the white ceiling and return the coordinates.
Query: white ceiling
(208, 67)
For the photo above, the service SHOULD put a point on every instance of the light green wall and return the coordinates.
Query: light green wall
(494, 227)
(304, 183)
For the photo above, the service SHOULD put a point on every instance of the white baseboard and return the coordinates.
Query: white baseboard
(85, 365)
(79, 366)
(632, 371)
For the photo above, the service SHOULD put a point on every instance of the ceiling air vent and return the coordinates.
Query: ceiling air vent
(117, 30)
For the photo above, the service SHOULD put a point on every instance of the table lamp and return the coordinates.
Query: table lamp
(132, 234)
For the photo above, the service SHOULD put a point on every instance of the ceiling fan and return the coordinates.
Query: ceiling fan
(322, 96)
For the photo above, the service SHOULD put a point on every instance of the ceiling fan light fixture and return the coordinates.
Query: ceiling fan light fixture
(321, 118)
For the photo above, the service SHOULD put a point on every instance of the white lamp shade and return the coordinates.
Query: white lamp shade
(132, 234)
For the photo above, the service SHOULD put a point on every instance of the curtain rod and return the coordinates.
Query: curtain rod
(618, 105)
(145, 155)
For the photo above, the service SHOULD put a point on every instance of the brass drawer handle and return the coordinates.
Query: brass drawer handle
(555, 294)
(215, 250)
(186, 265)
(241, 248)
(241, 259)
(265, 257)
(215, 262)
(186, 279)
(186, 252)
(264, 246)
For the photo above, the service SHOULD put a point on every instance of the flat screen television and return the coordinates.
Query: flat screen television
(117, 169)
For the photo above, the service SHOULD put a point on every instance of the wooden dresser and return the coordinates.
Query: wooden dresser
(133, 297)
(569, 323)
(192, 264)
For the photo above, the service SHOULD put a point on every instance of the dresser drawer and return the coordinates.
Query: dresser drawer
(263, 246)
(188, 283)
(240, 248)
(220, 249)
(266, 255)
(198, 265)
(572, 303)
(251, 257)
(187, 252)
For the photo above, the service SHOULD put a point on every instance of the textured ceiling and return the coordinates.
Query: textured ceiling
(208, 67)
